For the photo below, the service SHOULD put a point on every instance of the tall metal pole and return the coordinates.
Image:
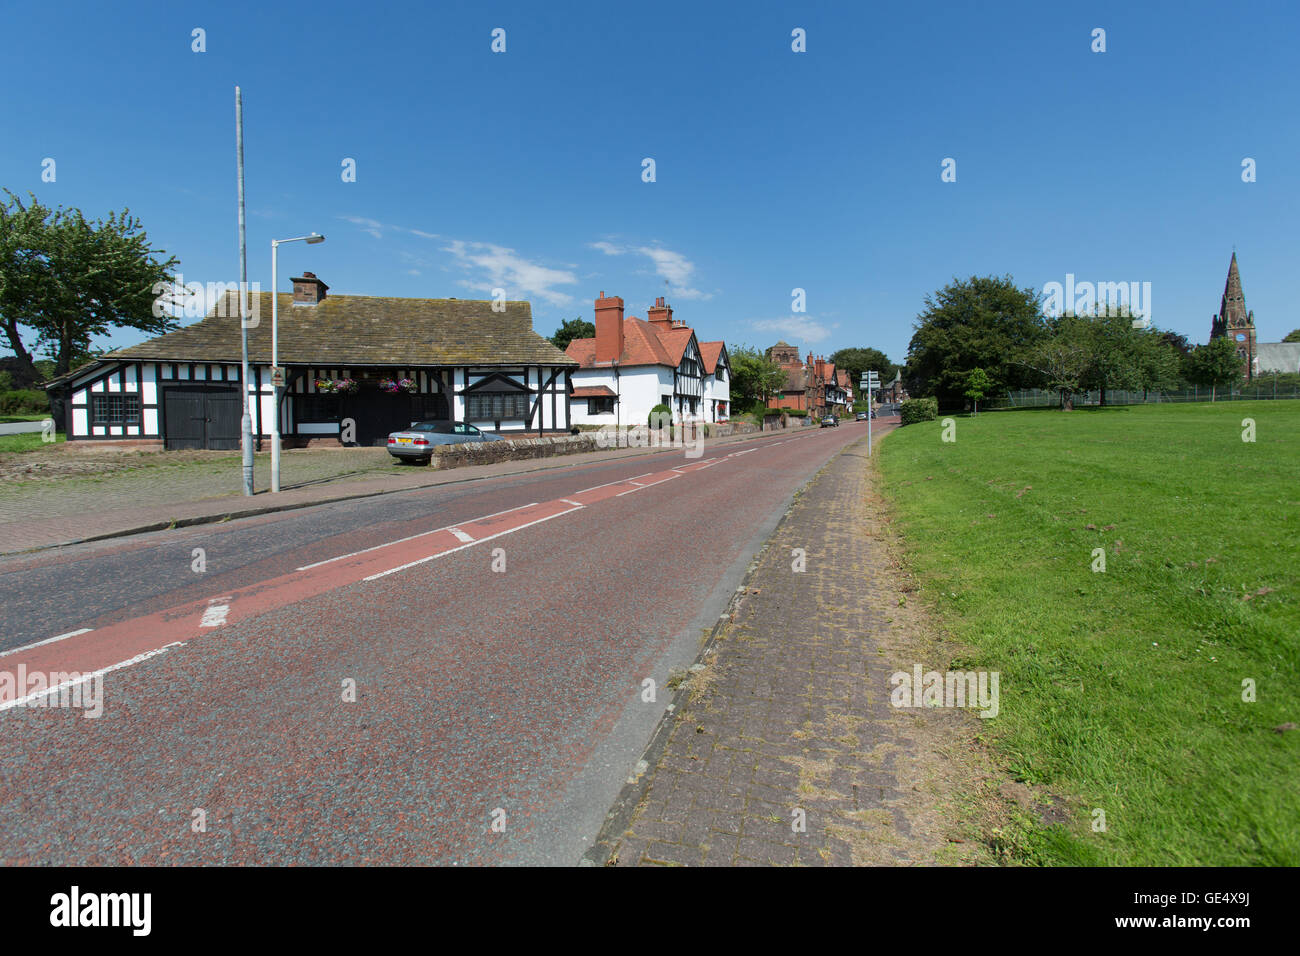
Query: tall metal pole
(275, 366)
(246, 421)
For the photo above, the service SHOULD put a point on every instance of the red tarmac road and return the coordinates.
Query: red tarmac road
(498, 665)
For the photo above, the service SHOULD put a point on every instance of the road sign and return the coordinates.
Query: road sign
(277, 378)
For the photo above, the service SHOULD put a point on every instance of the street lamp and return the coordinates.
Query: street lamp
(277, 376)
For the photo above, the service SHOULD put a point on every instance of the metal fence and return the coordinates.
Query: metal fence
(1036, 398)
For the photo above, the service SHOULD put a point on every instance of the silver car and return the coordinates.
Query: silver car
(417, 442)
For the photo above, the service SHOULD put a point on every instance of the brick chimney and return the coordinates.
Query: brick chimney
(660, 315)
(821, 370)
(308, 290)
(609, 329)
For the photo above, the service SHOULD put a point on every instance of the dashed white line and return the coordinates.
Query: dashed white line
(461, 535)
(411, 564)
(422, 534)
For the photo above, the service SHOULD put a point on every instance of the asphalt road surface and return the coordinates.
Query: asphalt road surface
(451, 675)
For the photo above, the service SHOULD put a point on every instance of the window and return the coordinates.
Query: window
(115, 409)
(600, 406)
(318, 408)
(496, 406)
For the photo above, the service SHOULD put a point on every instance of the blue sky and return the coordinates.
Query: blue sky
(775, 170)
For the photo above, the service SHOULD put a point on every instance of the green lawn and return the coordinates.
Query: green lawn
(27, 441)
(1122, 690)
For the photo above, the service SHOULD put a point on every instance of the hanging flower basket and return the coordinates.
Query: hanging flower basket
(336, 386)
(398, 385)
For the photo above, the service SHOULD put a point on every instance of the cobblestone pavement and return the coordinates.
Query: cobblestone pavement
(137, 490)
(789, 720)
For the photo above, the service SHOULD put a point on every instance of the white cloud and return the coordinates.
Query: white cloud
(670, 265)
(377, 229)
(499, 267)
(796, 327)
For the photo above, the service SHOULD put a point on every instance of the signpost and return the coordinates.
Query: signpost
(870, 382)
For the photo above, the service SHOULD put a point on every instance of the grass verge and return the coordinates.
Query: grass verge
(1125, 689)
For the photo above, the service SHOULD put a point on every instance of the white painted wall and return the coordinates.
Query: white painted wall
(639, 389)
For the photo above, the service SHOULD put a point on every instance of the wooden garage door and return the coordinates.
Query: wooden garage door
(201, 416)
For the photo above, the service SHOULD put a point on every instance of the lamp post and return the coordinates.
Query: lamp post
(277, 376)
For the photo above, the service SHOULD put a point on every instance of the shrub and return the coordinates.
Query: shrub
(796, 412)
(655, 420)
(24, 401)
(918, 410)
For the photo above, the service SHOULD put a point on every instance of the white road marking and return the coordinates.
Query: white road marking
(48, 640)
(576, 504)
(422, 534)
(460, 535)
(411, 564)
(215, 615)
(631, 491)
(619, 482)
(93, 674)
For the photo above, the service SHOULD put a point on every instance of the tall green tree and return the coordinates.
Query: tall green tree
(980, 322)
(858, 360)
(1292, 336)
(1216, 365)
(1061, 358)
(571, 329)
(1115, 352)
(68, 279)
(754, 378)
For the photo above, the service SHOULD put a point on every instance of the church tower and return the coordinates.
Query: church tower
(1234, 321)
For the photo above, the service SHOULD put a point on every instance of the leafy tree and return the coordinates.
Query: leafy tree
(1062, 358)
(571, 329)
(1176, 341)
(1160, 362)
(69, 279)
(978, 385)
(1216, 365)
(980, 322)
(754, 378)
(856, 361)
(1292, 336)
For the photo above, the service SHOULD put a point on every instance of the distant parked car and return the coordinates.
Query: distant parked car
(862, 416)
(830, 421)
(417, 442)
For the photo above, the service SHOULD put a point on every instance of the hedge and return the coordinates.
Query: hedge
(24, 401)
(918, 410)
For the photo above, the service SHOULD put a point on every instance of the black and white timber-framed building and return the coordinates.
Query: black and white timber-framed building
(356, 368)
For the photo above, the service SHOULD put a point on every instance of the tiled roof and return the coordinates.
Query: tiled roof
(641, 346)
(350, 330)
(709, 353)
(593, 391)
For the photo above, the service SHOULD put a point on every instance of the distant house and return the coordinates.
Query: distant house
(632, 365)
(356, 368)
(815, 385)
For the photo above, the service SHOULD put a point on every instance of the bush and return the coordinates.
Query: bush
(655, 421)
(24, 401)
(918, 410)
(796, 412)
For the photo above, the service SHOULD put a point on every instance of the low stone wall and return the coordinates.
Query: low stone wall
(512, 449)
(731, 428)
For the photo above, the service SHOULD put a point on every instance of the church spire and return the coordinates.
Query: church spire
(1232, 307)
